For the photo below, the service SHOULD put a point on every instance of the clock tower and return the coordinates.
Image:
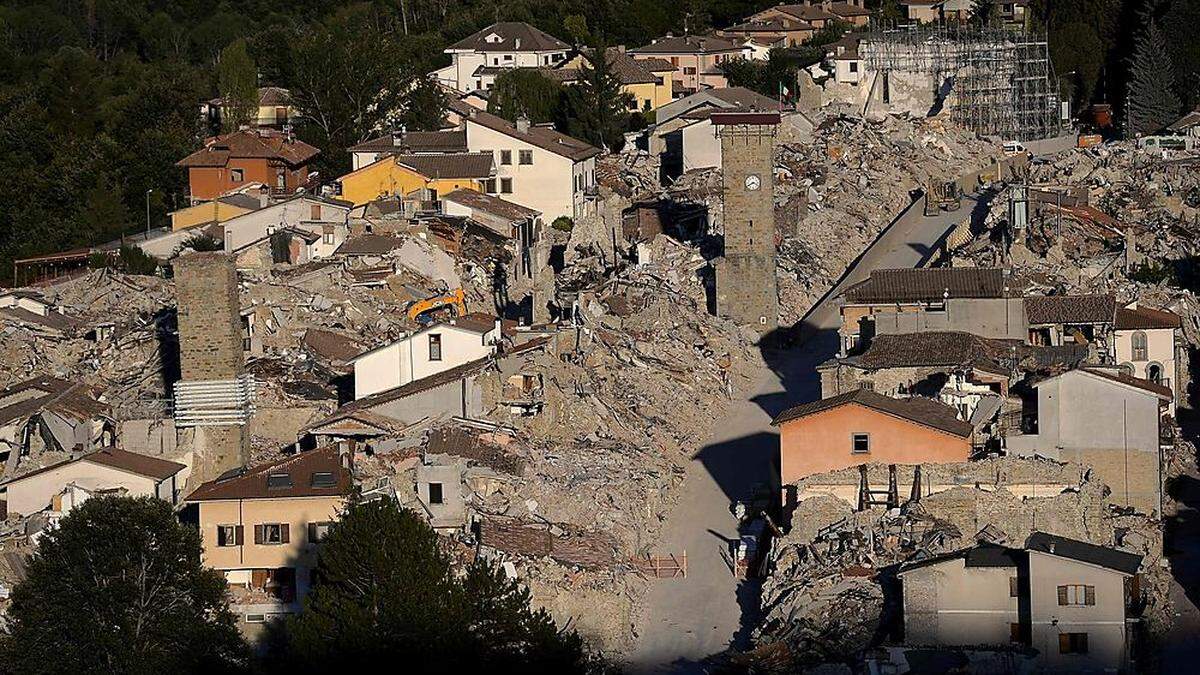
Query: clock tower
(746, 288)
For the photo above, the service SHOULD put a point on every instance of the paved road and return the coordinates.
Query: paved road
(1181, 651)
(688, 620)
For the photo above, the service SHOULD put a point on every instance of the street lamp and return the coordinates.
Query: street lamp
(148, 212)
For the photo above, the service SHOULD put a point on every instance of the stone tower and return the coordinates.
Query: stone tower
(213, 396)
(746, 288)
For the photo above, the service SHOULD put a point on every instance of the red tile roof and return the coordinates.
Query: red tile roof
(924, 411)
(1133, 318)
(302, 480)
(129, 462)
(250, 144)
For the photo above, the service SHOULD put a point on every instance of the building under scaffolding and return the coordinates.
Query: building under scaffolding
(995, 82)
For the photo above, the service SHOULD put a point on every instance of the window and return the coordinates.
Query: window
(854, 66)
(1014, 632)
(279, 481)
(861, 443)
(1139, 346)
(280, 180)
(508, 57)
(1076, 595)
(1072, 643)
(229, 535)
(688, 70)
(435, 347)
(525, 157)
(237, 175)
(318, 531)
(327, 234)
(315, 211)
(1013, 588)
(1154, 373)
(506, 157)
(271, 534)
(435, 494)
(505, 186)
(323, 479)
(489, 186)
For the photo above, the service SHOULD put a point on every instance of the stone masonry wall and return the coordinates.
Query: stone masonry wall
(746, 286)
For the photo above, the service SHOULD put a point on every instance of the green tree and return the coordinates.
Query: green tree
(597, 109)
(237, 83)
(528, 92)
(118, 587)
(1152, 100)
(384, 590)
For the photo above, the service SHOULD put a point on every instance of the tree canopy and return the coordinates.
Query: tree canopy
(384, 590)
(118, 587)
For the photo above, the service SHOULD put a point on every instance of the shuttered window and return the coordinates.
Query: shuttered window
(1072, 643)
(1076, 595)
(269, 534)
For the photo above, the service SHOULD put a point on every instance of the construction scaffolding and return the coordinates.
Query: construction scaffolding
(995, 81)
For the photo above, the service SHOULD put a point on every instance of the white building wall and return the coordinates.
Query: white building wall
(32, 494)
(1160, 349)
(408, 359)
(701, 146)
(252, 227)
(546, 185)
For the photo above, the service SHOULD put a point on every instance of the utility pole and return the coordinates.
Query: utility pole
(148, 212)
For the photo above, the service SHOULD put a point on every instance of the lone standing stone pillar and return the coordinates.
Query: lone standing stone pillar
(214, 395)
(746, 287)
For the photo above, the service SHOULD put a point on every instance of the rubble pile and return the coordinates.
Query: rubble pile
(825, 600)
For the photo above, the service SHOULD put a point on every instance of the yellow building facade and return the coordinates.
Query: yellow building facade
(403, 175)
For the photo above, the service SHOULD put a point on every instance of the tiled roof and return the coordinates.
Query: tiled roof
(1132, 318)
(369, 244)
(923, 411)
(490, 204)
(805, 12)
(742, 97)
(1070, 309)
(928, 285)
(455, 165)
(331, 345)
(542, 137)
(453, 140)
(627, 69)
(764, 26)
(250, 144)
(129, 462)
(688, 44)
(980, 555)
(299, 469)
(1081, 551)
(1131, 381)
(936, 348)
(49, 393)
(514, 36)
(274, 96)
(846, 9)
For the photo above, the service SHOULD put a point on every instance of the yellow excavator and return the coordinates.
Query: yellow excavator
(424, 311)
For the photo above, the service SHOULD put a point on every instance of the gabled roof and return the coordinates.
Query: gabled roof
(1101, 556)
(49, 393)
(129, 462)
(250, 144)
(928, 285)
(1134, 318)
(936, 348)
(539, 136)
(1186, 122)
(490, 204)
(627, 69)
(765, 26)
(455, 165)
(804, 12)
(301, 469)
(514, 36)
(917, 410)
(1051, 309)
(452, 140)
(980, 555)
(688, 44)
(331, 345)
(1116, 377)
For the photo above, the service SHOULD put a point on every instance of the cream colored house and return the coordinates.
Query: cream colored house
(536, 166)
(697, 59)
(261, 526)
(107, 470)
(477, 59)
(1145, 342)
(427, 352)
(1066, 599)
(275, 108)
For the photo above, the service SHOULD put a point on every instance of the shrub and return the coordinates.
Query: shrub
(563, 224)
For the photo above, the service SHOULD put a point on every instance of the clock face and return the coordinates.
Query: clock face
(753, 182)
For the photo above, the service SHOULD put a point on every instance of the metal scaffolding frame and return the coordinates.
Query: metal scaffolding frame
(1001, 80)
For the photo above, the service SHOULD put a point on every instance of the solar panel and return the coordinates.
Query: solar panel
(323, 479)
(277, 481)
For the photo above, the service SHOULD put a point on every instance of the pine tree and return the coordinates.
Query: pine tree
(598, 110)
(1152, 100)
(237, 80)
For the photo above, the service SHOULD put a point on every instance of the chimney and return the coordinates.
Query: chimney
(398, 136)
(517, 43)
(523, 124)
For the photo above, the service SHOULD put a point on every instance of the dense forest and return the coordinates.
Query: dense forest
(99, 98)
